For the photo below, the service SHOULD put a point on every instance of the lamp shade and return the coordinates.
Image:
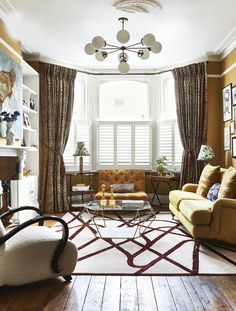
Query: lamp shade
(206, 153)
(81, 151)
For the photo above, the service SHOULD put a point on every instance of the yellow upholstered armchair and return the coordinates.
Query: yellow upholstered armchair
(127, 184)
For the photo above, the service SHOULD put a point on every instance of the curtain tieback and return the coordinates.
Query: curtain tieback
(190, 157)
(62, 165)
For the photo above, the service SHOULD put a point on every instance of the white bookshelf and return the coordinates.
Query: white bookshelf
(30, 105)
(25, 191)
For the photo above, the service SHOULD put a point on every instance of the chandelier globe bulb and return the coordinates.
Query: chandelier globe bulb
(98, 42)
(145, 55)
(123, 36)
(123, 67)
(100, 56)
(148, 39)
(89, 49)
(156, 47)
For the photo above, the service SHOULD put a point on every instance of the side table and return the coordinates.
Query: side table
(80, 190)
(156, 180)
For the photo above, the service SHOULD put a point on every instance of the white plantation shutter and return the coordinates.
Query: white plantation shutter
(124, 144)
(165, 140)
(106, 144)
(124, 141)
(142, 144)
(169, 142)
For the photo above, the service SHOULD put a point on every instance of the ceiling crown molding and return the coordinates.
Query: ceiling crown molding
(227, 44)
(6, 9)
(136, 6)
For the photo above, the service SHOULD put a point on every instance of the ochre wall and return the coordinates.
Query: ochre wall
(16, 45)
(217, 80)
(229, 77)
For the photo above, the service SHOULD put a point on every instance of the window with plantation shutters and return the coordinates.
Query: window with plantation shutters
(124, 144)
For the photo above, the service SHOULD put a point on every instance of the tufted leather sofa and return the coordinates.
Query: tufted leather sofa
(125, 176)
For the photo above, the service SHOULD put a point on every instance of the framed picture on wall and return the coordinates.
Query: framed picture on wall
(234, 147)
(227, 138)
(227, 102)
(232, 127)
(234, 95)
(235, 118)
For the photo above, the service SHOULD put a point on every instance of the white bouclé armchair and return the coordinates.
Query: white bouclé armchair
(34, 253)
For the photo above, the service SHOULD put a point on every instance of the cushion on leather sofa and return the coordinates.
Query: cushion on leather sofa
(198, 212)
(176, 196)
(209, 176)
(228, 184)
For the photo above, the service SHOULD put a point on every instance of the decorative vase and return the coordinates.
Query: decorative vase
(10, 134)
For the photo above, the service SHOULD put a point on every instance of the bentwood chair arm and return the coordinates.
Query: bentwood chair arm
(22, 208)
(40, 219)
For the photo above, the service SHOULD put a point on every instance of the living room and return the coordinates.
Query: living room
(117, 111)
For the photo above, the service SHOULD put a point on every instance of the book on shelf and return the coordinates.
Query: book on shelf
(80, 188)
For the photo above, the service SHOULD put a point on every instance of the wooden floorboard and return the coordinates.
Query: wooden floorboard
(119, 293)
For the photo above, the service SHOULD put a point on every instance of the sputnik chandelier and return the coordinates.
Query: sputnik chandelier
(102, 49)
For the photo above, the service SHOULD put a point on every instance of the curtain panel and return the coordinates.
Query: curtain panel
(56, 107)
(191, 105)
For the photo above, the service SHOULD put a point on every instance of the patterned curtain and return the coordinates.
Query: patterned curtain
(191, 103)
(56, 106)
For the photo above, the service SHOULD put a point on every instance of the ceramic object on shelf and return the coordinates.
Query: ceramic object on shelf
(10, 134)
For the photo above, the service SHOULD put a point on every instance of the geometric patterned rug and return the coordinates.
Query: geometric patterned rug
(165, 248)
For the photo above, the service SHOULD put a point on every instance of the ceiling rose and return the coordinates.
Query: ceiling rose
(136, 6)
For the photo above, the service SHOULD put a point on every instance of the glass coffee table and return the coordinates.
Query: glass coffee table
(138, 212)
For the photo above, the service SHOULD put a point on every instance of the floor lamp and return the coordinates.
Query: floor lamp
(81, 152)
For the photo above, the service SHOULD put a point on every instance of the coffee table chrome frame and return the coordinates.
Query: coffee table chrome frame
(136, 221)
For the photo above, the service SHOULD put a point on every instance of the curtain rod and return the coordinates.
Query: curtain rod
(119, 74)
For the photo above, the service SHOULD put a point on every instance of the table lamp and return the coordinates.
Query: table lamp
(81, 152)
(206, 153)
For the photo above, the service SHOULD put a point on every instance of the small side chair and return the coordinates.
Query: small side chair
(34, 253)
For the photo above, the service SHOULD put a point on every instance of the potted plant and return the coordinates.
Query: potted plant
(161, 165)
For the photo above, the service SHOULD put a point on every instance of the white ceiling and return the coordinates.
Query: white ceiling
(59, 29)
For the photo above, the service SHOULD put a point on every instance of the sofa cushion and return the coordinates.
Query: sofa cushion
(228, 184)
(198, 212)
(209, 176)
(213, 192)
(176, 196)
(117, 188)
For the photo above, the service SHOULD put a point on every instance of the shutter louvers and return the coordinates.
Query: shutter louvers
(124, 139)
(142, 144)
(165, 140)
(106, 144)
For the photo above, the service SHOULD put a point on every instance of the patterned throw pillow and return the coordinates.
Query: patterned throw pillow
(228, 184)
(210, 175)
(121, 188)
(213, 192)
